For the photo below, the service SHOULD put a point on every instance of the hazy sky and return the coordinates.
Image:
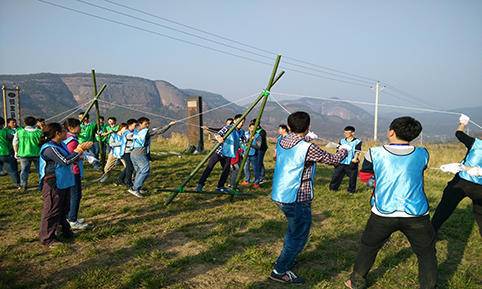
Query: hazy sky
(431, 49)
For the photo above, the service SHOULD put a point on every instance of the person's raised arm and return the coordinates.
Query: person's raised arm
(162, 129)
(316, 154)
(460, 134)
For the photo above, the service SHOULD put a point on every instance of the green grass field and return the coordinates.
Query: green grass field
(203, 241)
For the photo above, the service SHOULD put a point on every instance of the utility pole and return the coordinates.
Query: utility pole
(375, 122)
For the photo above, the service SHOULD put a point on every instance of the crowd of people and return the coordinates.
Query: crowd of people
(394, 171)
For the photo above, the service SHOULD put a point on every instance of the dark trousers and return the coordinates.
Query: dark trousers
(75, 196)
(260, 159)
(340, 171)
(225, 163)
(420, 234)
(54, 212)
(298, 216)
(456, 190)
(125, 177)
(9, 164)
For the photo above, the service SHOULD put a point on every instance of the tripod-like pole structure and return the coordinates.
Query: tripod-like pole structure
(264, 95)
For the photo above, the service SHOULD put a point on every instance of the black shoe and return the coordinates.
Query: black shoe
(287, 277)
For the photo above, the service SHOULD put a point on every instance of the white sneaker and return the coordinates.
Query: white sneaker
(81, 220)
(78, 226)
(135, 193)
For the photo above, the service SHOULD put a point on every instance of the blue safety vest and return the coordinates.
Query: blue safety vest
(231, 144)
(118, 151)
(473, 159)
(399, 181)
(288, 172)
(80, 163)
(252, 151)
(351, 154)
(63, 174)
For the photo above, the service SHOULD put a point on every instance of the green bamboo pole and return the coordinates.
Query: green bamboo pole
(256, 126)
(95, 99)
(97, 111)
(213, 150)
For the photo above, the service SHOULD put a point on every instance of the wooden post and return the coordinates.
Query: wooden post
(97, 111)
(195, 123)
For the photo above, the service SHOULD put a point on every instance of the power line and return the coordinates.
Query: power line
(215, 41)
(190, 42)
(235, 41)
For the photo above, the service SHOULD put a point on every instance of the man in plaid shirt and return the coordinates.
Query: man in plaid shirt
(292, 191)
(223, 154)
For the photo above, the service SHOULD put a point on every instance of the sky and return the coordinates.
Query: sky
(431, 50)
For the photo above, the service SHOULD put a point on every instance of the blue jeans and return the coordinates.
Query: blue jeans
(260, 160)
(252, 161)
(141, 166)
(25, 164)
(9, 164)
(299, 224)
(75, 196)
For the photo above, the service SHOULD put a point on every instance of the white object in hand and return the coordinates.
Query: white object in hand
(90, 157)
(475, 172)
(464, 119)
(344, 146)
(452, 168)
(311, 135)
(332, 145)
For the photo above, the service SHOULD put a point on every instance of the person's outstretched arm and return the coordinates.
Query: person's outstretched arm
(316, 154)
(162, 129)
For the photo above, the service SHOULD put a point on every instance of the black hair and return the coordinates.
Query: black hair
(283, 126)
(84, 115)
(2, 122)
(253, 122)
(30, 121)
(113, 118)
(101, 117)
(406, 128)
(52, 129)
(299, 121)
(11, 119)
(238, 116)
(143, 119)
(230, 119)
(349, 128)
(131, 121)
(71, 122)
(123, 125)
(40, 119)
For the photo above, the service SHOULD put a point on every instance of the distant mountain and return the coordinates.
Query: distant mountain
(47, 94)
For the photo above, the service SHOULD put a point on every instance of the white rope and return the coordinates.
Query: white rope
(170, 118)
(70, 110)
(380, 104)
(280, 105)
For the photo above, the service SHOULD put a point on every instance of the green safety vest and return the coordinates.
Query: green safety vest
(5, 144)
(28, 142)
(87, 132)
(107, 128)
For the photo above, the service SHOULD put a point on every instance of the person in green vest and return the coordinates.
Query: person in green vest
(6, 159)
(26, 146)
(88, 134)
(107, 130)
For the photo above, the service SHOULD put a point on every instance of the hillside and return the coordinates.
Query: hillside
(159, 97)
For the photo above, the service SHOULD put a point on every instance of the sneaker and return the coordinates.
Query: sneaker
(245, 183)
(262, 181)
(104, 178)
(222, 190)
(81, 220)
(3, 173)
(351, 285)
(256, 186)
(77, 225)
(143, 192)
(199, 188)
(54, 244)
(135, 193)
(287, 277)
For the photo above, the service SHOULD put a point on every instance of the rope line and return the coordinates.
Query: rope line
(72, 109)
(380, 104)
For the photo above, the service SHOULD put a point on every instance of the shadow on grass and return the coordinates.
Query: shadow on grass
(456, 230)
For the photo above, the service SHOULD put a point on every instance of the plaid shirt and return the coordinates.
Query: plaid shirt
(222, 132)
(315, 154)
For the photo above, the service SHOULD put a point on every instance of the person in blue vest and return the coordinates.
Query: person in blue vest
(72, 125)
(223, 154)
(398, 203)
(55, 180)
(293, 190)
(349, 165)
(463, 184)
(141, 153)
(117, 145)
(252, 158)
